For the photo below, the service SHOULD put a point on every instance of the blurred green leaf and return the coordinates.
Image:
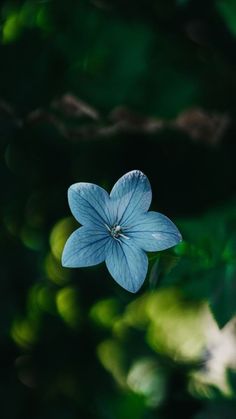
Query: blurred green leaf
(223, 297)
(227, 9)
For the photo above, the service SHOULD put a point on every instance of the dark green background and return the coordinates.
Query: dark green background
(88, 91)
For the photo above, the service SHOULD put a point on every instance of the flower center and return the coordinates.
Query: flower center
(116, 232)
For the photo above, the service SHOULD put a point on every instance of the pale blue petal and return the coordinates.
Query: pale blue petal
(131, 195)
(153, 231)
(127, 264)
(90, 204)
(85, 247)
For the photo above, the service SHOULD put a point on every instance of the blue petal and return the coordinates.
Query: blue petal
(127, 264)
(131, 195)
(85, 247)
(89, 204)
(153, 231)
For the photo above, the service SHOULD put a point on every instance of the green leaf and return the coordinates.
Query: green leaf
(227, 9)
(223, 299)
(162, 265)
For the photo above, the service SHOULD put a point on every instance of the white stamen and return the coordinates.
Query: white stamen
(108, 228)
(125, 237)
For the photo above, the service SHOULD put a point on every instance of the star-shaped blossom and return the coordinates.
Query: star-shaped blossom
(117, 229)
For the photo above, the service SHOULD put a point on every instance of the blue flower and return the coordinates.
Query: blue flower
(117, 229)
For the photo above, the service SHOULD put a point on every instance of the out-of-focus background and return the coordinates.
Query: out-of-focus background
(88, 91)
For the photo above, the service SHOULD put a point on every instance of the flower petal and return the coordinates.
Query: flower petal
(153, 231)
(89, 203)
(127, 264)
(131, 195)
(85, 247)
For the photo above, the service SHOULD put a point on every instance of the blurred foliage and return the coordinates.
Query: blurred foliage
(88, 91)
